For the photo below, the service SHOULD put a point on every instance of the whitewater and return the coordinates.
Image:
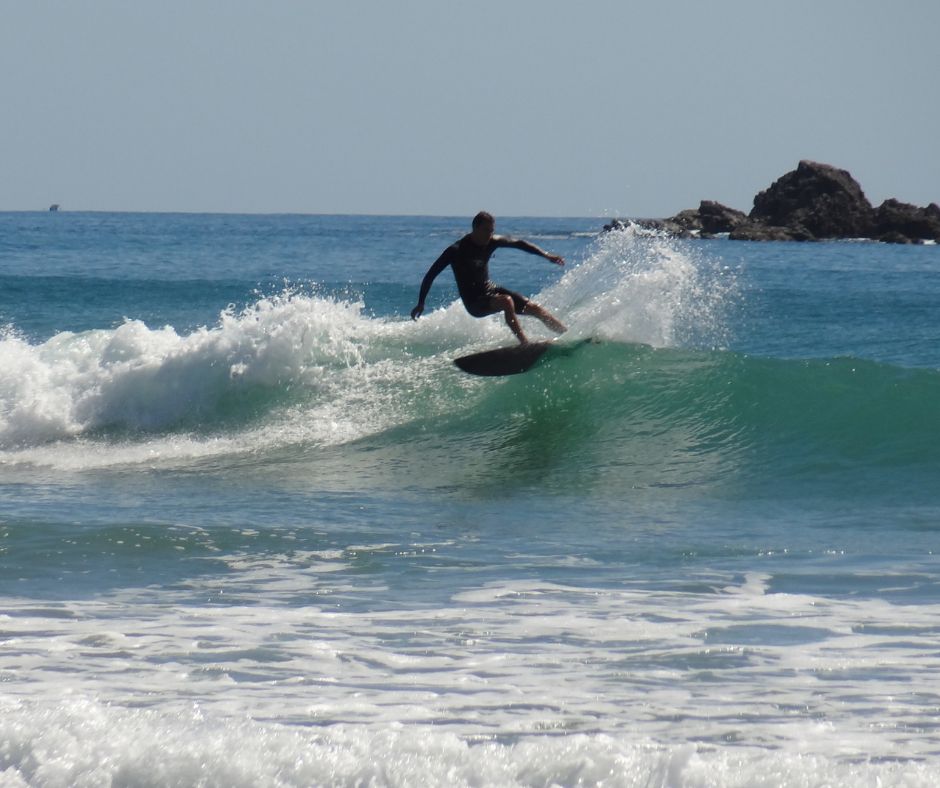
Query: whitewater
(257, 529)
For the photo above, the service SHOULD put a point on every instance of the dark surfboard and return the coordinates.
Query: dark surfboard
(503, 360)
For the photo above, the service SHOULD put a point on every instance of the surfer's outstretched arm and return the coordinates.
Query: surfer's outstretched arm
(531, 248)
(436, 267)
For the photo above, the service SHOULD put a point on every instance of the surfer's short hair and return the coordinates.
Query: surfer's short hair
(483, 218)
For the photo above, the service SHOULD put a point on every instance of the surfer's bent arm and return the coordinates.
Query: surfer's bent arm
(436, 267)
(525, 246)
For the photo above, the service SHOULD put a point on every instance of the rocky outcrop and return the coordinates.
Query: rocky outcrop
(758, 231)
(899, 222)
(817, 199)
(717, 218)
(708, 220)
(813, 202)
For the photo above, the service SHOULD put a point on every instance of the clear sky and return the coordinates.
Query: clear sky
(522, 107)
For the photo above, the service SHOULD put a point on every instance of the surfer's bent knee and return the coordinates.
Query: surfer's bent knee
(504, 303)
(530, 308)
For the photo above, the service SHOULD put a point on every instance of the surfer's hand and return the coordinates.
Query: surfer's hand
(556, 259)
(417, 311)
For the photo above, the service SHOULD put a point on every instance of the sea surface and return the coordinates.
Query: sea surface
(257, 530)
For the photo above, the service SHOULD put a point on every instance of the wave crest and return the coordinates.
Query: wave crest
(136, 378)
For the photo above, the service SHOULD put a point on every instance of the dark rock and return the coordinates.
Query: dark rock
(813, 202)
(710, 218)
(715, 218)
(896, 218)
(757, 231)
(689, 220)
(894, 237)
(824, 200)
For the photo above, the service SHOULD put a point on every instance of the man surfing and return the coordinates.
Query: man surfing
(469, 258)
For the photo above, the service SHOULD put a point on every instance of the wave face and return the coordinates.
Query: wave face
(655, 401)
(305, 350)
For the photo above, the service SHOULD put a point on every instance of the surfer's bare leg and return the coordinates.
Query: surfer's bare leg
(504, 304)
(546, 317)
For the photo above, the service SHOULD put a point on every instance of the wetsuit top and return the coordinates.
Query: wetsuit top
(471, 266)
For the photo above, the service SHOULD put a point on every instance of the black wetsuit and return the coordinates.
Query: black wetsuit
(471, 266)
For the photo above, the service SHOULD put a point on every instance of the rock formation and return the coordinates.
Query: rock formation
(814, 202)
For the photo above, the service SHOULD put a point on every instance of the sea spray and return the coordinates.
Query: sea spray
(636, 287)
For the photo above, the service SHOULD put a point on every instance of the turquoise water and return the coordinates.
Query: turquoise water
(256, 528)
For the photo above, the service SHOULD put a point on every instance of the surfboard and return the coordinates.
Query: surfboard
(518, 358)
(503, 360)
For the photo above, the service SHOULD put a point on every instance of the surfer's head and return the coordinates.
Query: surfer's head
(483, 218)
(483, 226)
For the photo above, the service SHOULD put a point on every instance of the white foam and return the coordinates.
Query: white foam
(83, 742)
(647, 289)
(515, 683)
(334, 374)
(140, 378)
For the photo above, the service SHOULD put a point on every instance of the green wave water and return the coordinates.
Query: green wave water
(625, 415)
(305, 378)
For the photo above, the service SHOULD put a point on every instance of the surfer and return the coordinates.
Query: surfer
(469, 258)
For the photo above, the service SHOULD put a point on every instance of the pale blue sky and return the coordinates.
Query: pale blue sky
(593, 108)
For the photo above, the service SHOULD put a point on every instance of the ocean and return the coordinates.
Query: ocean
(257, 530)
